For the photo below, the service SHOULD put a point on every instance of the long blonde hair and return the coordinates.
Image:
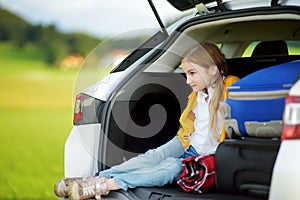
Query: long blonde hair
(206, 55)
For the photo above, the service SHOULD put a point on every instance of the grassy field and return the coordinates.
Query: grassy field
(35, 120)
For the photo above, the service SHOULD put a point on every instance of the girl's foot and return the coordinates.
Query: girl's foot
(89, 188)
(61, 186)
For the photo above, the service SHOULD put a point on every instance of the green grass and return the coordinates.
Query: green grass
(36, 118)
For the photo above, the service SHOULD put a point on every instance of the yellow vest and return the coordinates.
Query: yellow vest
(187, 117)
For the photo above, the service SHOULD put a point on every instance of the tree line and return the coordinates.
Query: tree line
(54, 44)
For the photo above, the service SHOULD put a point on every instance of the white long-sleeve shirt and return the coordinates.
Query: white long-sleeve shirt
(202, 139)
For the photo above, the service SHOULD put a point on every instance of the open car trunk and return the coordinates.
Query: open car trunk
(248, 164)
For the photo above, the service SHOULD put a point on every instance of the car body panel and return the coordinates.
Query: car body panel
(286, 173)
(102, 89)
(81, 149)
(295, 90)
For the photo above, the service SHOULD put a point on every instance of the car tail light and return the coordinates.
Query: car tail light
(78, 109)
(87, 110)
(291, 118)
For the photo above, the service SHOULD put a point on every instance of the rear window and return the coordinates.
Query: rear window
(293, 48)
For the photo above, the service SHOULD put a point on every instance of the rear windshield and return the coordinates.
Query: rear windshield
(293, 48)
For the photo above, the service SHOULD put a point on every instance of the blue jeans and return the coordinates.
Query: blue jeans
(156, 167)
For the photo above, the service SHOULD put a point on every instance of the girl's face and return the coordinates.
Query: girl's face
(196, 76)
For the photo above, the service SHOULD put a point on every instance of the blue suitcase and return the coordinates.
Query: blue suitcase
(255, 103)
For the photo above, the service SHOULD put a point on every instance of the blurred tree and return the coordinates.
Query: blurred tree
(55, 44)
(80, 43)
(12, 27)
(34, 33)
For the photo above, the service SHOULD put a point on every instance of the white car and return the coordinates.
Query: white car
(286, 174)
(137, 103)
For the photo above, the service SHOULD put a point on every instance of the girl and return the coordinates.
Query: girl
(200, 133)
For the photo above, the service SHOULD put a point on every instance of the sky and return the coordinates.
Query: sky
(99, 18)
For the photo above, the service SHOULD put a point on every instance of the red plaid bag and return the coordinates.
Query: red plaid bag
(198, 175)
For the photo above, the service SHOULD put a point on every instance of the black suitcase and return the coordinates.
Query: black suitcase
(246, 165)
